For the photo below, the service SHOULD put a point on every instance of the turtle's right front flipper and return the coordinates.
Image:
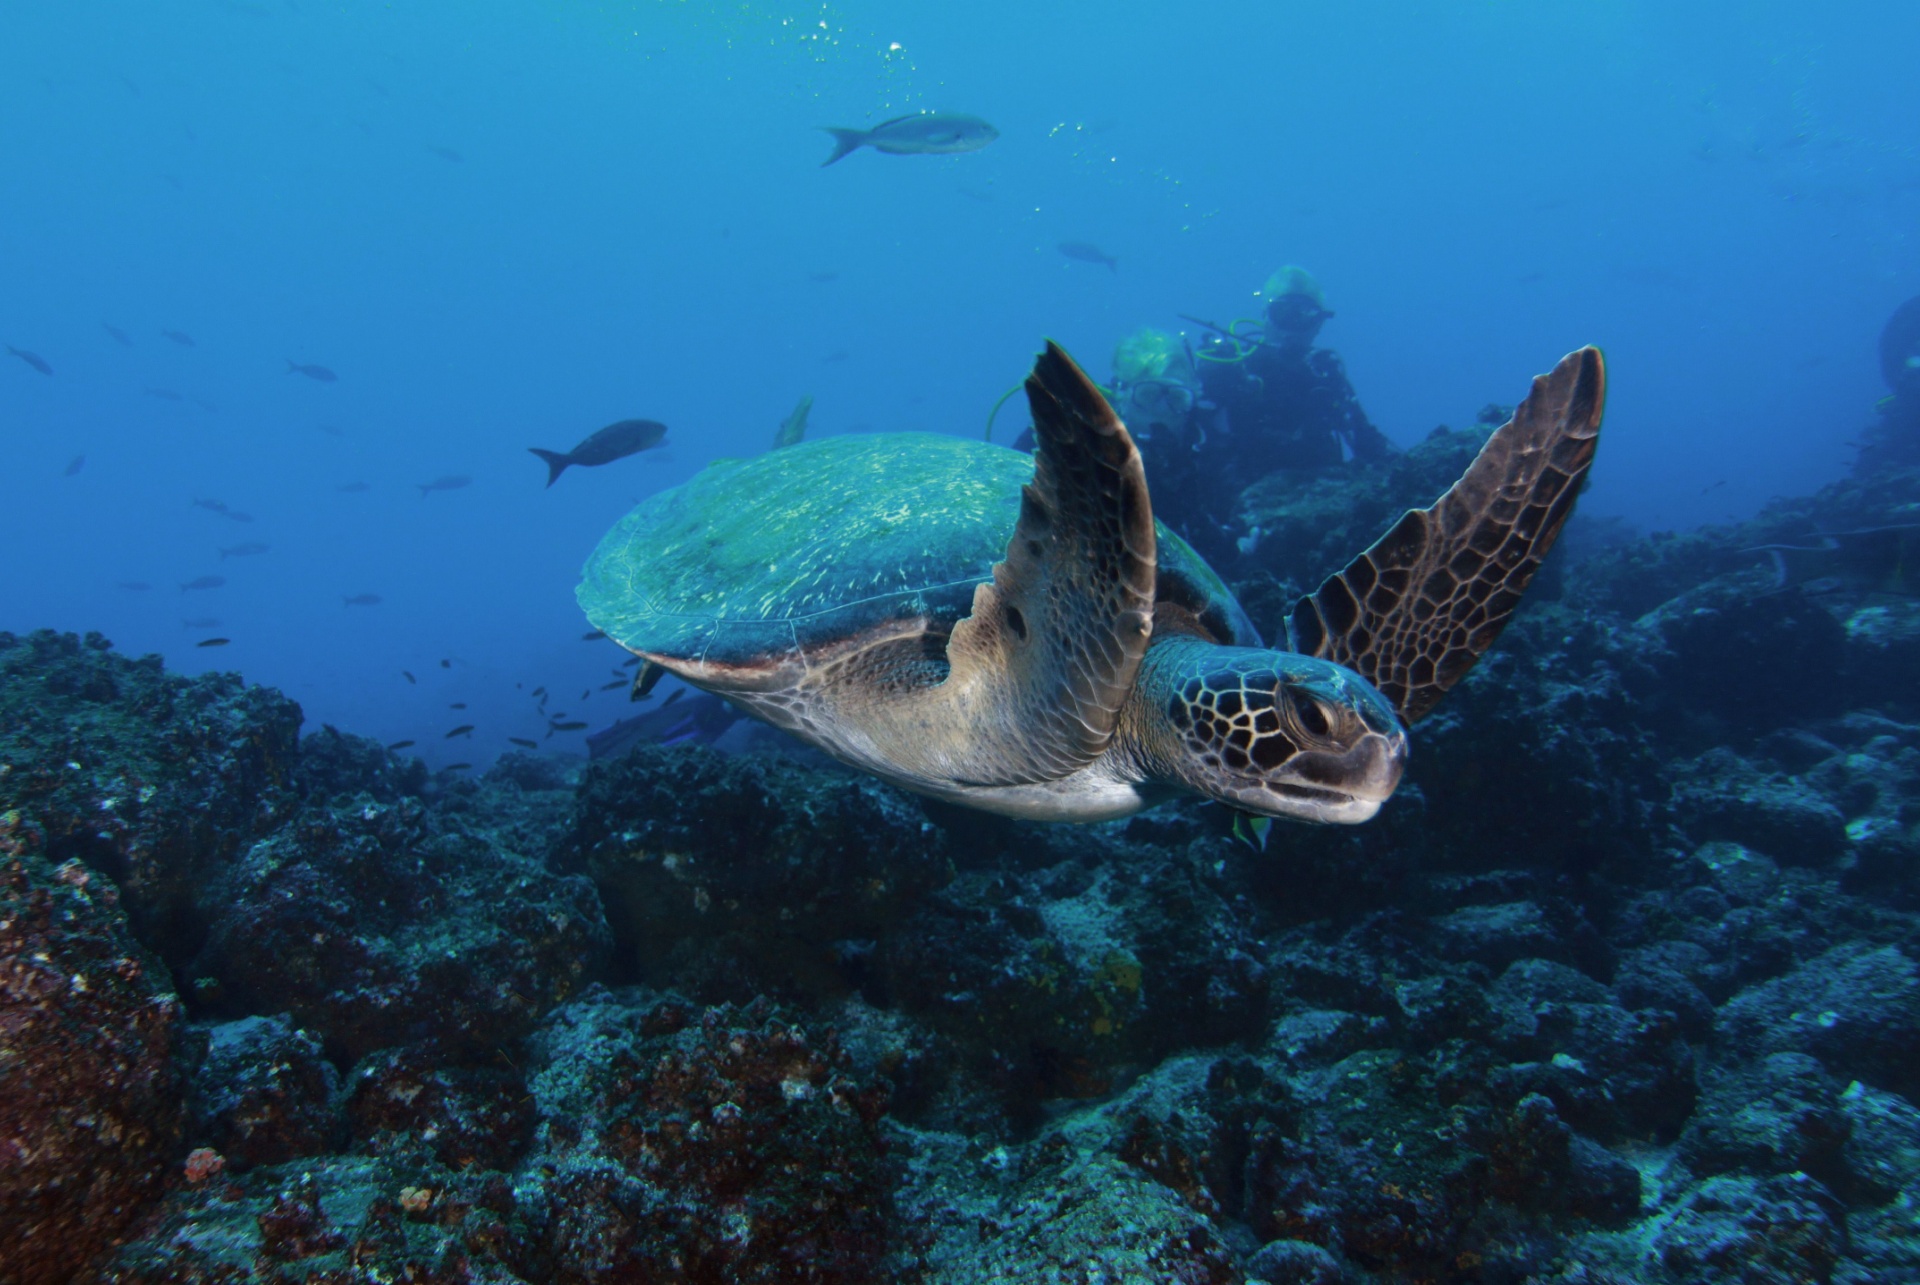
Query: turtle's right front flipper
(1413, 613)
(1049, 654)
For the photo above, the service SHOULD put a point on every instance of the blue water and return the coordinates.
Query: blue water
(507, 225)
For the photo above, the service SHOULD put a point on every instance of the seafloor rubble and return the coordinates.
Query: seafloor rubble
(1622, 987)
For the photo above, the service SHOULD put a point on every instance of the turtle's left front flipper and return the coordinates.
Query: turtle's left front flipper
(1413, 613)
(1049, 654)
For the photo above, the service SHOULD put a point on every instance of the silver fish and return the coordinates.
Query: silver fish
(922, 134)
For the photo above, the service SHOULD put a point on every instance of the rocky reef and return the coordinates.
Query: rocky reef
(1624, 986)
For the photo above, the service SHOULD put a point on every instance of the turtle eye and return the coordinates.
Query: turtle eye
(1309, 712)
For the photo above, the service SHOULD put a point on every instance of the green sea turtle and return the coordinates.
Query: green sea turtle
(1019, 635)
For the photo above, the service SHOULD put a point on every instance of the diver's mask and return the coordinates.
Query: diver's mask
(1294, 320)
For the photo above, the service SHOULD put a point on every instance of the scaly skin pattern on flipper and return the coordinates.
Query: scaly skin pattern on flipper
(1049, 653)
(1414, 612)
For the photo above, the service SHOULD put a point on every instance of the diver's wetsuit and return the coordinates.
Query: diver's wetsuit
(1289, 408)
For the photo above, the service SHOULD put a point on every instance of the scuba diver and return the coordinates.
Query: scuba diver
(1894, 440)
(1285, 403)
(1256, 398)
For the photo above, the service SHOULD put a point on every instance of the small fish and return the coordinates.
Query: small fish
(451, 482)
(320, 373)
(119, 336)
(203, 582)
(922, 134)
(539, 691)
(213, 642)
(353, 488)
(180, 337)
(458, 705)
(235, 515)
(201, 622)
(595, 636)
(211, 506)
(574, 726)
(445, 153)
(75, 465)
(614, 442)
(446, 664)
(361, 600)
(135, 586)
(793, 429)
(465, 729)
(524, 743)
(164, 394)
(32, 359)
(615, 685)
(249, 550)
(458, 767)
(587, 693)
(401, 745)
(629, 662)
(408, 676)
(1083, 252)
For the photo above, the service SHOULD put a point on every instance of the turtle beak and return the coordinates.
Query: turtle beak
(1344, 787)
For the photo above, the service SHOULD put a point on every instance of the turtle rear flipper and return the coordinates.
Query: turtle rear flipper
(1414, 612)
(1055, 639)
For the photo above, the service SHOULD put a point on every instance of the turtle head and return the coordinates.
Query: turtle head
(1270, 732)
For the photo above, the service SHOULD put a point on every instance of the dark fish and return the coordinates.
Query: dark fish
(701, 720)
(119, 336)
(320, 373)
(524, 742)
(353, 488)
(201, 622)
(180, 337)
(573, 726)
(458, 705)
(595, 636)
(401, 745)
(362, 600)
(213, 642)
(465, 729)
(137, 586)
(451, 482)
(614, 442)
(249, 550)
(446, 664)
(203, 582)
(615, 685)
(32, 359)
(211, 506)
(445, 153)
(629, 662)
(458, 767)
(75, 465)
(164, 394)
(408, 676)
(922, 134)
(1874, 560)
(1083, 252)
(539, 691)
(585, 694)
(793, 428)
